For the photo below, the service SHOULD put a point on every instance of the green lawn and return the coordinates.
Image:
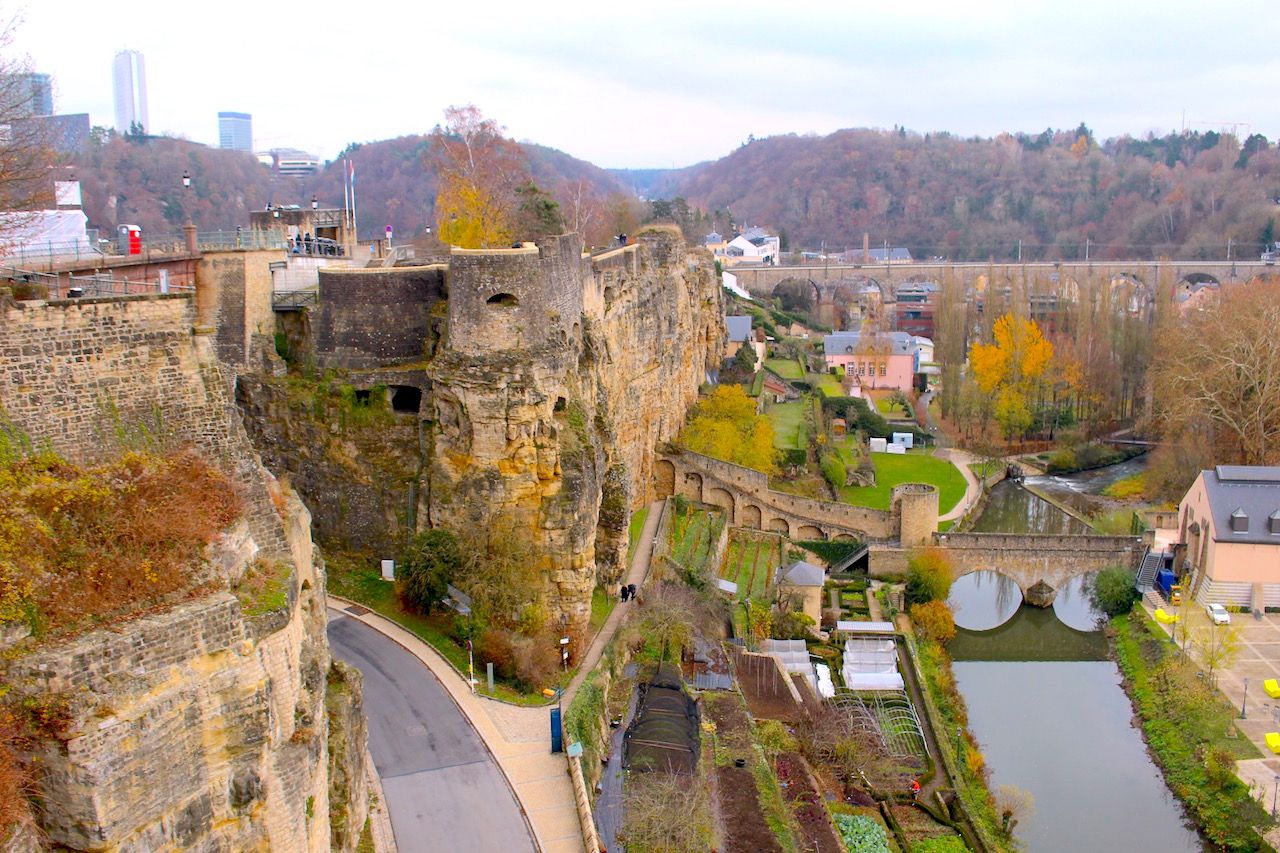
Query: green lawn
(602, 605)
(986, 468)
(885, 406)
(787, 368)
(634, 530)
(788, 425)
(916, 466)
(828, 382)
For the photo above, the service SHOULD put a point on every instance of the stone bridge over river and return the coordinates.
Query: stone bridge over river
(1030, 558)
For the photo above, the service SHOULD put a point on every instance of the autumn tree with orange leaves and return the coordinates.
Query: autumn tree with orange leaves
(479, 171)
(1012, 370)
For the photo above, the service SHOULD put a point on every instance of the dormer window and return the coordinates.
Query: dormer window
(1239, 521)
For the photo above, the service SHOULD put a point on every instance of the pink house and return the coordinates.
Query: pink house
(879, 360)
(1229, 530)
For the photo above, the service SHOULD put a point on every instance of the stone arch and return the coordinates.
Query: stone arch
(844, 537)
(779, 525)
(691, 486)
(664, 479)
(506, 300)
(750, 517)
(1200, 278)
(809, 531)
(717, 496)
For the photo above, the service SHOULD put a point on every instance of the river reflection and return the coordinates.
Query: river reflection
(1012, 509)
(1046, 704)
(1061, 732)
(984, 600)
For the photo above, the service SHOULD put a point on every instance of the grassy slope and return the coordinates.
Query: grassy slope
(914, 467)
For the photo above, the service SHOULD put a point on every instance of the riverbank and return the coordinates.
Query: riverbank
(1190, 732)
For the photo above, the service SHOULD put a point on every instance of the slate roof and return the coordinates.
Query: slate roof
(901, 343)
(801, 573)
(1252, 489)
(739, 326)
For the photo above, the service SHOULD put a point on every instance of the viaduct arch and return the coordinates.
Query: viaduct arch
(1029, 559)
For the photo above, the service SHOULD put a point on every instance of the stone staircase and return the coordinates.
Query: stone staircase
(1151, 562)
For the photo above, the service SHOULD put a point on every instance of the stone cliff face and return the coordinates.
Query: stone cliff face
(196, 727)
(540, 403)
(557, 381)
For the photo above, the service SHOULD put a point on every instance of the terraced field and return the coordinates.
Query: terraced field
(693, 536)
(750, 561)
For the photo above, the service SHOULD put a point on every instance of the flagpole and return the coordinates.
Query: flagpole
(355, 226)
(346, 209)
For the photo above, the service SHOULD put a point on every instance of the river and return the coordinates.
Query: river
(1046, 704)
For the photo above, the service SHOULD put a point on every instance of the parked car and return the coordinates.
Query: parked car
(1219, 614)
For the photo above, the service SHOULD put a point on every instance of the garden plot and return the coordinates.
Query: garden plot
(750, 562)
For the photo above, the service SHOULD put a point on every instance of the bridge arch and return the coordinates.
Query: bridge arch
(717, 496)
(779, 525)
(809, 532)
(664, 476)
(691, 486)
(750, 517)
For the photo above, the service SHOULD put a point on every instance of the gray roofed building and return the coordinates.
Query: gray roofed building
(1245, 503)
(900, 343)
(801, 573)
(739, 327)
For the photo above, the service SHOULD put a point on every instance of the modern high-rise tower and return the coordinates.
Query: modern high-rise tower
(235, 131)
(130, 74)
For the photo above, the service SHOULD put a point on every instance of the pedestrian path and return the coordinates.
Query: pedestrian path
(972, 485)
(636, 575)
(518, 737)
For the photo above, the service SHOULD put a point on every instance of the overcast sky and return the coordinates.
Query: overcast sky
(659, 84)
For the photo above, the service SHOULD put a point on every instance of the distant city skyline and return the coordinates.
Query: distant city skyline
(672, 84)
(41, 93)
(129, 80)
(235, 131)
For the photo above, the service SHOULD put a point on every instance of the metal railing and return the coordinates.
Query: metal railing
(30, 284)
(294, 300)
(240, 239)
(52, 252)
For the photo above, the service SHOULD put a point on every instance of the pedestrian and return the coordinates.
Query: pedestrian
(624, 593)
(631, 590)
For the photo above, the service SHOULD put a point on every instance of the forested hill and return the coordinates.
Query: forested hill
(1182, 195)
(138, 180)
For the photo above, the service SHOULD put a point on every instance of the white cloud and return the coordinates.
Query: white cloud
(665, 83)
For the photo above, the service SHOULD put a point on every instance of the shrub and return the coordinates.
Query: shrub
(78, 544)
(427, 567)
(833, 470)
(929, 574)
(536, 660)
(791, 625)
(1112, 590)
(496, 646)
(830, 552)
(934, 621)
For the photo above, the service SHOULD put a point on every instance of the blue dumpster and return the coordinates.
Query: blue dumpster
(557, 737)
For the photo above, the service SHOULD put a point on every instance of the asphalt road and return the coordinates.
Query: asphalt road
(443, 790)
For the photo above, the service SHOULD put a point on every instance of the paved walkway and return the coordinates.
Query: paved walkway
(972, 485)
(518, 738)
(636, 575)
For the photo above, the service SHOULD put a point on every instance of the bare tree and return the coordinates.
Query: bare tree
(1223, 367)
(26, 155)
(1013, 804)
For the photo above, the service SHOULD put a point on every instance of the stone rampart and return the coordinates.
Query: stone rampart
(745, 495)
(370, 318)
(195, 727)
(236, 287)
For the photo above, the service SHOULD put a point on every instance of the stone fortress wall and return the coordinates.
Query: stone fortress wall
(195, 727)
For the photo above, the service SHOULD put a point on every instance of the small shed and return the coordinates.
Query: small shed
(838, 427)
(807, 579)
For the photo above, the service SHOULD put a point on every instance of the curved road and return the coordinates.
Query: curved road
(443, 789)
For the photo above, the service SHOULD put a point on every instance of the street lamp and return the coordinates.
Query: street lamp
(1244, 697)
(315, 204)
(1273, 794)
(186, 180)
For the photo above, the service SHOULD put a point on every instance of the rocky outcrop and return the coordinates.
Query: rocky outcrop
(541, 406)
(557, 382)
(202, 726)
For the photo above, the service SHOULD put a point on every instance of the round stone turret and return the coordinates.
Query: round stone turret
(917, 507)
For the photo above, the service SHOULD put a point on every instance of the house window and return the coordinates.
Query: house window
(862, 368)
(883, 369)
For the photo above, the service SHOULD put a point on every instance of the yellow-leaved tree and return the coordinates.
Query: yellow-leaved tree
(1011, 370)
(725, 426)
(478, 170)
